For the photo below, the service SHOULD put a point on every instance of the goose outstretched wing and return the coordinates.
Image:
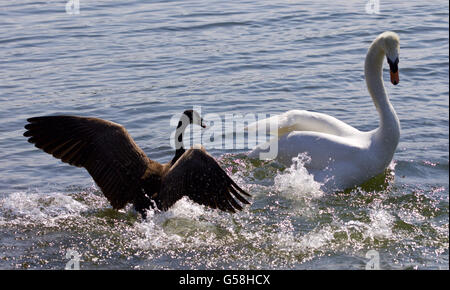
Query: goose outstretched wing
(104, 148)
(198, 176)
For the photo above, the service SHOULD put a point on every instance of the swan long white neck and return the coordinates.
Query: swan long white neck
(388, 134)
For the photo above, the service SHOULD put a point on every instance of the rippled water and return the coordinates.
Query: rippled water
(138, 63)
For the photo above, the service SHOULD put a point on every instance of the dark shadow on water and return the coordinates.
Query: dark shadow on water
(381, 182)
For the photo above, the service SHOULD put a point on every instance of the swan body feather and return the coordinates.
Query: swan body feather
(341, 155)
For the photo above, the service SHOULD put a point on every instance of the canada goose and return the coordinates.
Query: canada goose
(125, 174)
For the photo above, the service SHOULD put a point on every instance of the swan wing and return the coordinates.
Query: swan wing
(198, 176)
(263, 125)
(301, 120)
(104, 148)
(324, 149)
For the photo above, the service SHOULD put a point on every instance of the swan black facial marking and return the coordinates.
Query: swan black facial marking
(393, 65)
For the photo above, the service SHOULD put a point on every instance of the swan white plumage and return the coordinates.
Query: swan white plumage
(341, 155)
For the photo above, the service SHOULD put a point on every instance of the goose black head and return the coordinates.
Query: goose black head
(194, 118)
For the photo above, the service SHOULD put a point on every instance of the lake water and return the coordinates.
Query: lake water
(138, 63)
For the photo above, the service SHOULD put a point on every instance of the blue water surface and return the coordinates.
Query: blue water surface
(139, 63)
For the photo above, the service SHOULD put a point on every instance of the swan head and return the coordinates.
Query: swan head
(193, 117)
(391, 46)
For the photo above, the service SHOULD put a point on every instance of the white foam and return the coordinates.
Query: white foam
(317, 238)
(23, 207)
(380, 226)
(185, 208)
(320, 238)
(171, 229)
(296, 182)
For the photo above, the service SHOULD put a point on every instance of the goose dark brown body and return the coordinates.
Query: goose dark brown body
(123, 171)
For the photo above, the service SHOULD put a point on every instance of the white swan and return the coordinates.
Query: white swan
(341, 155)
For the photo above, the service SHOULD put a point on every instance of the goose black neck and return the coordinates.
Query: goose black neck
(179, 141)
(178, 154)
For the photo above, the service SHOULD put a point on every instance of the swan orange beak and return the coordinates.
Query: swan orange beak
(393, 67)
(394, 78)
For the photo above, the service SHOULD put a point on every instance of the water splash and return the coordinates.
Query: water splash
(185, 223)
(46, 209)
(296, 183)
(265, 235)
